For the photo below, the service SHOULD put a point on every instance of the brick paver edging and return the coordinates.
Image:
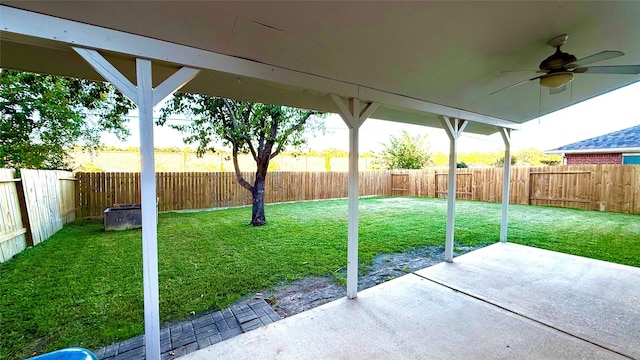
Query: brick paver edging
(191, 335)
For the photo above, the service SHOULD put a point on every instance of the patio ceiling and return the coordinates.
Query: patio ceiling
(417, 59)
(429, 63)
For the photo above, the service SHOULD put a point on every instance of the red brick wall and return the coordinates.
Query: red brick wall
(581, 159)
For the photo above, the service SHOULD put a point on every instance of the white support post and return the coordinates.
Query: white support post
(354, 195)
(454, 128)
(506, 182)
(354, 118)
(149, 211)
(145, 98)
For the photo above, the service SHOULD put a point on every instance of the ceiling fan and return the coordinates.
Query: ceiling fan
(558, 69)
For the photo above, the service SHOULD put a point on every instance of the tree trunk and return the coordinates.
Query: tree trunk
(257, 212)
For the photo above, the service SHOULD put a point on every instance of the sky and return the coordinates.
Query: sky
(610, 112)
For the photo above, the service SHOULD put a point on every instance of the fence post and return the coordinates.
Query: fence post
(24, 213)
(529, 186)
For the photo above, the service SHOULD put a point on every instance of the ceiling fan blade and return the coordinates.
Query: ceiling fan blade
(601, 56)
(557, 90)
(519, 71)
(615, 69)
(516, 84)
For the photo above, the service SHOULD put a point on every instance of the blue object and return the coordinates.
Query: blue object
(67, 354)
(631, 159)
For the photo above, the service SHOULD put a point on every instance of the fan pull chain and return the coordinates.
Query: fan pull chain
(571, 94)
(539, 104)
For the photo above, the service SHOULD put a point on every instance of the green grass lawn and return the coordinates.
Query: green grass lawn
(83, 286)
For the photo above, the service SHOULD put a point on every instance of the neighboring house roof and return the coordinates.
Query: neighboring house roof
(622, 141)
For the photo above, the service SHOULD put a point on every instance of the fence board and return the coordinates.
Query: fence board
(12, 231)
(66, 191)
(46, 200)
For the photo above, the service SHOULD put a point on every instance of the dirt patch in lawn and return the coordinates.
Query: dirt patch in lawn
(310, 292)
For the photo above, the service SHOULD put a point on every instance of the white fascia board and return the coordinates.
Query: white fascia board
(401, 101)
(90, 36)
(596, 151)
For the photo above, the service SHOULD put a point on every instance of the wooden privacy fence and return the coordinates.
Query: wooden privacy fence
(614, 188)
(202, 190)
(596, 187)
(33, 207)
(37, 205)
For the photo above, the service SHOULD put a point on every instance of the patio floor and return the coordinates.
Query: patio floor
(504, 301)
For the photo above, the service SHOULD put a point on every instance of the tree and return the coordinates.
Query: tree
(500, 161)
(405, 152)
(332, 153)
(535, 157)
(262, 130)
(42, 117)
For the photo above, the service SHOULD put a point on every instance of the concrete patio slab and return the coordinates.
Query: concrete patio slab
(594, 300)
(413, 317)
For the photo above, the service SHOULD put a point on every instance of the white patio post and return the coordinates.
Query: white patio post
(354, 118)
(145, 97)
(454, 128)
(149, 211)
(506, 182)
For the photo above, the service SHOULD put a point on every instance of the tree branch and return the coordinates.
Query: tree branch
(302, 121)
(233, 115)
(236, 127)
(244, 183)
(276, 153)
(289, 131)
(248, 140)
(253, 150)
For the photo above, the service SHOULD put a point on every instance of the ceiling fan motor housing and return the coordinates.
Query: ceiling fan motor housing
(556, 79)
(557, 61)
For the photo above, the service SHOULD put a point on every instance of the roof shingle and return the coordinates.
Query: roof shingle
(625, 138)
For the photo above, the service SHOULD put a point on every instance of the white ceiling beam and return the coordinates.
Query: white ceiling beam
(405, 102)
(90, 36)
(78, 34)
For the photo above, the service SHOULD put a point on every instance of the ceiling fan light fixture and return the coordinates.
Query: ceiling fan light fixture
(555, 80)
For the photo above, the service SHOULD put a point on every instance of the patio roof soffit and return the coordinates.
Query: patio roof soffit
(296, 88)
